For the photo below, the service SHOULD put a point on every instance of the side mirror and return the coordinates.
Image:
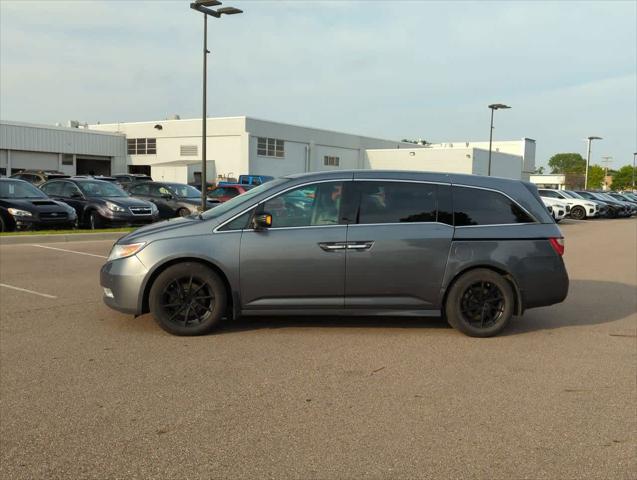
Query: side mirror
(262, 221)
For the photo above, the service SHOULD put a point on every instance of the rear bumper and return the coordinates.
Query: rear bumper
(122, 281)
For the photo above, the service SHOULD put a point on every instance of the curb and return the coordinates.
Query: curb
(60, 238)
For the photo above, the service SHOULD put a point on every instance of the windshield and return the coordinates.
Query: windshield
(101, 189)
(184, 191)
(607, 196)
(574, 194)
(19, 189)
(240, 199)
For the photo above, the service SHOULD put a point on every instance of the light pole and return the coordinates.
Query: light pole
(634, 156)
(493, 107)
(588, 158)
(202, 6)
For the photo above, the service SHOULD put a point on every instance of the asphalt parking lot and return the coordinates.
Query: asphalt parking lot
(90, 393)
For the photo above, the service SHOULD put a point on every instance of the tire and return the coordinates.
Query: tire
(578, 213)
(176, 305)
(467, 311)
(3, 226)
(95, 220)
(183, 212)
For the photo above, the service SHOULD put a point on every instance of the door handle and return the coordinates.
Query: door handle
(360, 246)
(332, 246)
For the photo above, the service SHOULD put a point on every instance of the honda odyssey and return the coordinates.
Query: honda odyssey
(475, 250)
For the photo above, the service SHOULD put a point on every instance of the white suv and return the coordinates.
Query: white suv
(557, 208)
(580, 208)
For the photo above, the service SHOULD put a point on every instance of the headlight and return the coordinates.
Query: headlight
(153, 207)
(16, 212)
(114, 208)
(123, 251)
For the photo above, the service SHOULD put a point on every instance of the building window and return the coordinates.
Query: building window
(67, 159)
(188, 150)
(142, 146)
(270, 147)
(329, 161)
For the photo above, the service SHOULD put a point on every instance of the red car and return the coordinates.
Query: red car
(225, 192)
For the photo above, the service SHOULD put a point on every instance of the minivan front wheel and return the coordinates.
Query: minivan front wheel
(187, 299)
(480, 303)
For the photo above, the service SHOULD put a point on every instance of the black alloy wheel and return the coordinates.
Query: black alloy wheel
(183, 212)
(480, 303)
(578, 213)
(94, 220)
(188, 299)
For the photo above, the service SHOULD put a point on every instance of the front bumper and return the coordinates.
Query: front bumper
(121, 219)
(36, 223)
(124, 279)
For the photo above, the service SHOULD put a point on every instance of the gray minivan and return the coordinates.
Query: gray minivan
(476, 250)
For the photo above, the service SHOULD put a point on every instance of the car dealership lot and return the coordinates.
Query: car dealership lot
(87, 392)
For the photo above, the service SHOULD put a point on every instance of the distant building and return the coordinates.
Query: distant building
(171, 149)
(559, 181)
(71, 150)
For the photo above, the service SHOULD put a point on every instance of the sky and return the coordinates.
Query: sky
(393, 69)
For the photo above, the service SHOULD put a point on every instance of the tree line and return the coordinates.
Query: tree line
(575, 163)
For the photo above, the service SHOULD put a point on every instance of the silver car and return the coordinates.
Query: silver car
(476, 250)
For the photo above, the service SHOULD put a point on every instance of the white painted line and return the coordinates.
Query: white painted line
(45, 295)
(69, 251)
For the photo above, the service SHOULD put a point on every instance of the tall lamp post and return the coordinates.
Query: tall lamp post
(493, 107)
(634, 156)
(588, 158)
(202, 6)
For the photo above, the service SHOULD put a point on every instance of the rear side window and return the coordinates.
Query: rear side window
(474, 206)
(396, 202)
(142, 189)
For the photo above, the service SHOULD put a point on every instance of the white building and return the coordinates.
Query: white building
(70, 150)
(468, 160)
(171, 149)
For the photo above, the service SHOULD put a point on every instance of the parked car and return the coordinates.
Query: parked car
(579, 209)
(171, 199)
(254, 179)
(624, 198)
(38, 177)
(601, 208)
(558, 208)
(475, 249)
(628, 207)
(224, 192)
(100, 204)
(127, 180)
(613, 208)
(24, 207)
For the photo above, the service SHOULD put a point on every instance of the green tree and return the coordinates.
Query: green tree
(623, 179)
(567, 163)
(595, 177)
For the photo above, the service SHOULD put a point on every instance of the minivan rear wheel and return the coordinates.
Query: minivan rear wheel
(187, 299)
(480, 303)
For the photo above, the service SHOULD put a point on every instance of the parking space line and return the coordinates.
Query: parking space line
(45, 295)
(70, 251)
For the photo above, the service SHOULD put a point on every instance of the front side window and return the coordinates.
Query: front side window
(396, 202)
(310, 205)
(69, 190)
(53, 188)
(474, 206)
(184, 191)
(142, 189)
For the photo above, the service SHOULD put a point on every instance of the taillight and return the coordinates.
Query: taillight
(558, 245)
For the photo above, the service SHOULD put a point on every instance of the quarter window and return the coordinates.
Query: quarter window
(310, 205)
(396, 202)
(270, 147)
(473, 206)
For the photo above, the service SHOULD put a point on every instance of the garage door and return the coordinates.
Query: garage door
(91, 166)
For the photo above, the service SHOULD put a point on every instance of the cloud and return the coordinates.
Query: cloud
(394, 69)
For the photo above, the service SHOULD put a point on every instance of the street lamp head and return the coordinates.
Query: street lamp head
(207, 3)
(594, 138)
(229, 11)
(498, 106)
